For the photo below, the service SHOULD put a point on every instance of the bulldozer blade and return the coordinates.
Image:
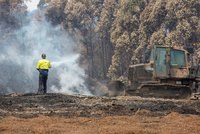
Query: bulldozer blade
(116, 88)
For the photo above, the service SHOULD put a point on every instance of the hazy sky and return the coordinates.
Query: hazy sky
(32, 4)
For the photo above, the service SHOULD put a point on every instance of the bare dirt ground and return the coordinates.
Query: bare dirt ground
(63, 114)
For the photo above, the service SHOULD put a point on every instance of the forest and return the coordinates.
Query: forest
(114, 34)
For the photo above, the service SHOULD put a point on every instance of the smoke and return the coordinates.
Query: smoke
(22, 48)
(32, 5)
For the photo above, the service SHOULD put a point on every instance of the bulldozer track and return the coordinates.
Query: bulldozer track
(165, 91)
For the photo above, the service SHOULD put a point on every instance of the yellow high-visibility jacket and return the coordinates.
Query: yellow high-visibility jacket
(43, 64)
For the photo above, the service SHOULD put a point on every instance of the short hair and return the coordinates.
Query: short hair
(44, 56)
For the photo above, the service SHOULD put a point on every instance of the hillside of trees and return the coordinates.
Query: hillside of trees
(114, 34)
(10, 11)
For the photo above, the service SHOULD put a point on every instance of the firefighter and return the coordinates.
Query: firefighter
(43, 67)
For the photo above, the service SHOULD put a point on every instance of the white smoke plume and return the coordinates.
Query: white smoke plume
(21, 50)
(32, 5)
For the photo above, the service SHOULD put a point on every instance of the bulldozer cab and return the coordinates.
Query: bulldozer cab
(169, 62)
(160, 59)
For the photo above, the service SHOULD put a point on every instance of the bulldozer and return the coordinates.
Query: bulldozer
(168, 74)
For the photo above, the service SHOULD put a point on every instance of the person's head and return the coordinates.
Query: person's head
(43, 56)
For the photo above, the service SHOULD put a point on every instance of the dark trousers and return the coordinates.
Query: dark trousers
(42, 84)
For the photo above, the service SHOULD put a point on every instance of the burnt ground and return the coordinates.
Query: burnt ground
(59, 113)
(30, 105)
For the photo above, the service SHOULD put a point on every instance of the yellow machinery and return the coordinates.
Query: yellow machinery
(167, 75)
